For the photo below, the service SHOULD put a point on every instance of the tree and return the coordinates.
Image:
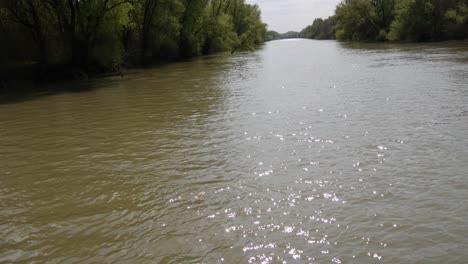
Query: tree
(418, 20)
(33, 15)
(381, 20)
(219, 34)
(250, 29)
(272, 35)
(191, 37)
(385, 13)
(89, 36)
(357, 20)
(83, 24)
(320, 29)
(457, 20)
(158, 25)
(149, 9)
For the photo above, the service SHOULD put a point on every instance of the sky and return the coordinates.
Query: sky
(286, 15)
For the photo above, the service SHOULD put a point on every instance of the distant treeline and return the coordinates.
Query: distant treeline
(102, 35)
(394, 20)
(273, 35)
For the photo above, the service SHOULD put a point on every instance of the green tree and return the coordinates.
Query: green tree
(158, 27)
(191, 33)
(385, 13)
(84, 25)
(219, 31)
(250, 29)
(357, 20)
(272, 35)
(101, 35)
(320, 29)
(457, 20)
(429, 20)
(313, 31)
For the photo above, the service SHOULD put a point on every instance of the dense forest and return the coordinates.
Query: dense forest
(70, 37)
(391, 20)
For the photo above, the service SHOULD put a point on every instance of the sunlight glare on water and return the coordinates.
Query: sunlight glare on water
(304, 151)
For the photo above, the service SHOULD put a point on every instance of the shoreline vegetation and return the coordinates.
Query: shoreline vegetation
(61, 40)
(389, 20)
(54, 40)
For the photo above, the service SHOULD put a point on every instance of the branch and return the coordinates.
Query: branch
(18, 18)
(115, 5)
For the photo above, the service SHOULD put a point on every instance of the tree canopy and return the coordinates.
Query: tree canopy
(103, 35)
(398, 20)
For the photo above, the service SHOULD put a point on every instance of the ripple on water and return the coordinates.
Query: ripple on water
(256, 157)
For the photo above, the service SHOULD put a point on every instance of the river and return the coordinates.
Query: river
(303, 151)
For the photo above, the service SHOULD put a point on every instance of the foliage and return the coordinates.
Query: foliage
(101, 35)
(219, 33)
(357, 20)
(273, 35)
(320, 29)
(398, 20)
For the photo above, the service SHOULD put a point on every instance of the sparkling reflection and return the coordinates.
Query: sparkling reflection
(257, 157)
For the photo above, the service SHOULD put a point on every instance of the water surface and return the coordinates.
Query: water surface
(304, 151)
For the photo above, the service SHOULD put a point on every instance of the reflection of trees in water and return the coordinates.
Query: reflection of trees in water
(180, 89)
(112, 161)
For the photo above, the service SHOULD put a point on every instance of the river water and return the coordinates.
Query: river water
(303, 151)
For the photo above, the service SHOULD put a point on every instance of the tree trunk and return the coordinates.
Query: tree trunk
(150, 7)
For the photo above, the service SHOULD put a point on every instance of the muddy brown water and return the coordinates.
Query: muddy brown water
(301, 152)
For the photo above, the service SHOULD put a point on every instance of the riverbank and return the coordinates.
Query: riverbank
(93, 39)
(33, 72)
(21, 82)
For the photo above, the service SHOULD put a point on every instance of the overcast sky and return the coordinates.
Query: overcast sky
(286, 15)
